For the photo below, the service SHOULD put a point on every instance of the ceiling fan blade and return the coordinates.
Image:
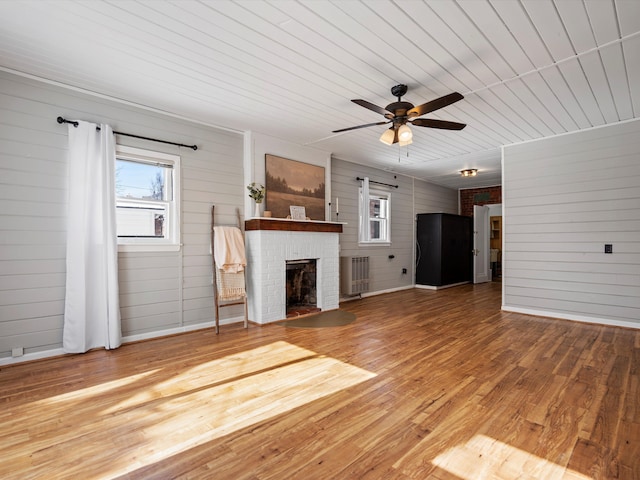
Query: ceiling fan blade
(434, 104)
(433, 123)
(371, 106)
(359, 126)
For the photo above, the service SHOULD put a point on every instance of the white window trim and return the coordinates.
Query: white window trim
(363, 209)
(171, 244)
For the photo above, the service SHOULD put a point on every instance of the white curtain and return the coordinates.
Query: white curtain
(364, 211)
(92, 310)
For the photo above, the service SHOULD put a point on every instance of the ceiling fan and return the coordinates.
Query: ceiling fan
(400, 113)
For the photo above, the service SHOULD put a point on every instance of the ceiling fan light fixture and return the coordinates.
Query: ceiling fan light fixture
(469, 172)
(388, 136)
(403, 143)
(404, 133)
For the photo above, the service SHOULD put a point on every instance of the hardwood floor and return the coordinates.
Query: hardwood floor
(423, 384)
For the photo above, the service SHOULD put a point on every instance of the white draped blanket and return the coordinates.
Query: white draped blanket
(230, 260)
(228, 251)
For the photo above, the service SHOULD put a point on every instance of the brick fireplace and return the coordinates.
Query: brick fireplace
(270, 244)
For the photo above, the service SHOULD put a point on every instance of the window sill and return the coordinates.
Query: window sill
(374, 244)
(146, 247)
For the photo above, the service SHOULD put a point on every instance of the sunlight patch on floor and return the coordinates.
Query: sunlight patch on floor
(174, 412)
(195, 418)
(484, 457)
(220, 370)
(96, 390)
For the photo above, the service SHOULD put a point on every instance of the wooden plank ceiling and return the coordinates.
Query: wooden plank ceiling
(527, 68)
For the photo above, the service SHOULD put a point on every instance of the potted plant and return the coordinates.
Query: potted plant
(257, 192)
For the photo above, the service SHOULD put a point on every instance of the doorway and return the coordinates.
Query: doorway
(495, 244)
(487, 243)
(496, 230)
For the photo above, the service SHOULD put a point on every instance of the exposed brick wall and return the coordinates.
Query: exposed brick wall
(478, 196)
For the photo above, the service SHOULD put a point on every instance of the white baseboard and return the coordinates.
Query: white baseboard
(56, 352)
(377, 292)
(439, 287)
(569, 316)
(183, 329)
(28, 357)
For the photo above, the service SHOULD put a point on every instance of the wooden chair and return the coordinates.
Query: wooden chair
(218, 301)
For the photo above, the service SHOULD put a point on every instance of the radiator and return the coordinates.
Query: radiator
(354, 275)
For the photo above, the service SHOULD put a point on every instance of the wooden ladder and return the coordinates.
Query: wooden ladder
(216, 300)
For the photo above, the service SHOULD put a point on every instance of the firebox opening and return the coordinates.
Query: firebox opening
(302, 297)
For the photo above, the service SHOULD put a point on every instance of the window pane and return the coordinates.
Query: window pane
(142, 181)
(378, 207)
(374, 207)
(375, 230)
(141, 220)
(383, 207)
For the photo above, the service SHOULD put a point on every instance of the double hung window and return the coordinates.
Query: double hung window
(147, 195)
(375, 221)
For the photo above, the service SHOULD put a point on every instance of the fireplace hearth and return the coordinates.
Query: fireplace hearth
(301, 287)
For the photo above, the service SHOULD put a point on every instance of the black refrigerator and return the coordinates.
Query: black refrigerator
(444, 249)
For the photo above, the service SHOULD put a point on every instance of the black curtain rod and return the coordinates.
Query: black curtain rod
(75, 124)
(379, 183)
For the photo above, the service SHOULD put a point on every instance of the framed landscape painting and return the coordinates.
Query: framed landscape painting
(289, 182)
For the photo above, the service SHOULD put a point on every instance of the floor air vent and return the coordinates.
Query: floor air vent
(354, 275)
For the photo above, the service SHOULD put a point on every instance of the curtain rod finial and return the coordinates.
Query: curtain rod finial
(62, 120)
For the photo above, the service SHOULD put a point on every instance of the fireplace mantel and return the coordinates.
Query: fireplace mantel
(287, 225)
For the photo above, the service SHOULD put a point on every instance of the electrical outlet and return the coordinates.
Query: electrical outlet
(608, 248)
(404, 271)
(17, 352)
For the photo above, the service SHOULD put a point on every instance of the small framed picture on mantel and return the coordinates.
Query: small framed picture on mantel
(297, 212)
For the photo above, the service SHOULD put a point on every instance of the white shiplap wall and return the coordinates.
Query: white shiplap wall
(411, 197)
(430, 198)
(564, 198)
(159, 292)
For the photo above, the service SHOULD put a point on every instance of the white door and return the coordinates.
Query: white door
(480, 244)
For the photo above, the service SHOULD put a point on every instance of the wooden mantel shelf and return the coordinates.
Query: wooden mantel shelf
(286, 225)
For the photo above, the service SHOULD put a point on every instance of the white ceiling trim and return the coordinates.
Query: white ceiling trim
(117, 100)
(618, 41)
(595, 127)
